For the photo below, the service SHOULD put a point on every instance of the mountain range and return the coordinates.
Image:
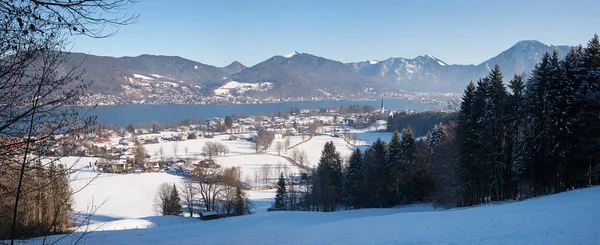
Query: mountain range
(305, 75)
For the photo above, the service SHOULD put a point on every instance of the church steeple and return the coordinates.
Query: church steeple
(382, 107)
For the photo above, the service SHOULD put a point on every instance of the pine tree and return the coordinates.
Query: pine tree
(467, 127)
(589, 121)
(375, 161)
(241, 202)
(408, 152)
(492, 136)
(174, 206)
(328, 180)
(353, 191)
(280, 194)
(516, 119)
(394, 170)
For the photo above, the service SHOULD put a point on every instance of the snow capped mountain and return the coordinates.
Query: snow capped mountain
(428, 73)
(421, 73)
(302, 75)
(290, 55)
(298, 75)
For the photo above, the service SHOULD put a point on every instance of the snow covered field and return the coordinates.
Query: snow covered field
(314, 147)
(567, 218)
(125, 201)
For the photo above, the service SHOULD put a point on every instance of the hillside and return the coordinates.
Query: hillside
(566, 218)
(304, 75)
(109, 73)
(153, 79)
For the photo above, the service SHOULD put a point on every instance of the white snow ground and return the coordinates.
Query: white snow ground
(567, 218)
(314, 147)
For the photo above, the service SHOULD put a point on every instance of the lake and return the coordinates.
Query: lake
(171, 113)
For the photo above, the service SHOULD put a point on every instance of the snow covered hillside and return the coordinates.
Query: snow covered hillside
(125, 201)
(568, 218)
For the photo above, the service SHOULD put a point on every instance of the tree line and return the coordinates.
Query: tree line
(532, 137)
(537, 139)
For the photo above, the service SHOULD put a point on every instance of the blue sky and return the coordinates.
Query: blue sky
(218, 32)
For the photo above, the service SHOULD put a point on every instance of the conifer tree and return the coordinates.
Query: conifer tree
(328, 180)
(395, 168)
(174, 207)
(241, 202)
(375, 166)
(588, 116)
(280, 194)
(353, 191)
(408, 152)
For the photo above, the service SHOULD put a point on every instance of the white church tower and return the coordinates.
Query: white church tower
(382, 107)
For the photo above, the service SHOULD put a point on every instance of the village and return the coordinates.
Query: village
(179, 149)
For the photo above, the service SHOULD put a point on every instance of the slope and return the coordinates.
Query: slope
(567, 218)
(108, 73)
(304, 74)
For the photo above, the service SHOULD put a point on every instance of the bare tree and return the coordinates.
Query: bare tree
(231, 181)
(222, 149)
(161, 152)
(186, 150)
(286, 143)
(266, 173)
(161, 199)
(212, 148)
(263, 140)
(175, 145)
(295, 154)
(140, 152)
(313, 127)
(279, 147)
(302, 158)
(40, 88)
(256, 177)
(189, 192)
(210, 185)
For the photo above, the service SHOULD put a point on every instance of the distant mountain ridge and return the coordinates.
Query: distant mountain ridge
(428, 73)
(304, 75)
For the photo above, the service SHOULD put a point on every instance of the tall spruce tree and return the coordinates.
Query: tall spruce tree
(467, 127)
(515, 120)
(408, 152)
(328, 180)
(280, 194)
(492, 135)
(354, 189)
(537, 135)
(375, 160)
(395, 169)
(174, 207)
(588, 116)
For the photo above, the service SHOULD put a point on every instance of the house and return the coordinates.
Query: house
(209, 215)
(188, 169)
(117, 165)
